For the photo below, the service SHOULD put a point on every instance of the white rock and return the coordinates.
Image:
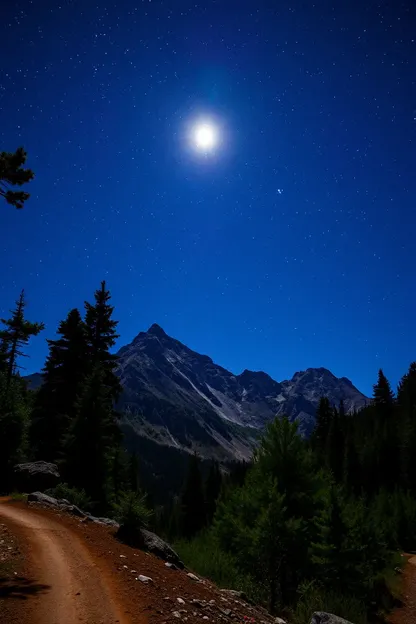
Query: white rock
(205, 617)
(123, 557)
(125, 567)
(144, 579)
(176, 614)
(180, 600)
(193, 577)
(279, 621)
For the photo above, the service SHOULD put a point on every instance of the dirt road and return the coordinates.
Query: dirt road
(64, 582)
(406, 613)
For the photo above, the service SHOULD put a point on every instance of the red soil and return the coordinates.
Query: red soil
(67, 571)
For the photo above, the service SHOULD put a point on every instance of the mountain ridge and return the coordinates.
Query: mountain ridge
(176, 401)
(177, 390)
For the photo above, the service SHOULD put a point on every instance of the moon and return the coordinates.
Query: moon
(205, 136)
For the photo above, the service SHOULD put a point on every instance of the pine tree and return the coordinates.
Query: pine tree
(406, 401)
(120, 473)
(63, 377)
(133, 472)
(15, 336)
(212, 490)
(334, 448)
(13, 174)
(92, 441)
(351, 464)
(268, 524)
(327, 550)
(386, 431)
(14, 422)
(192, 500)
(101, 336)
(382, 392)
(3, 356)
(14, 399)
(323, 422)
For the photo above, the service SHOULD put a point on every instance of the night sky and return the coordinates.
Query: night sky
(289, 245)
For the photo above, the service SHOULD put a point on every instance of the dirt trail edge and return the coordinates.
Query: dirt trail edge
(65, 583)
(406, 613)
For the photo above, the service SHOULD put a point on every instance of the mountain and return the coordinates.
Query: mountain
(176, 401)
(180, 399)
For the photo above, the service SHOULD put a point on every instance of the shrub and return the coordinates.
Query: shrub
(76, 497)
(133, 514)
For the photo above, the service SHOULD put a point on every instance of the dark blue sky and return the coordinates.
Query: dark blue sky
(291, 246)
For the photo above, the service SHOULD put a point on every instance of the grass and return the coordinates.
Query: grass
(205, 558)
(388, 585)
(18, 496)
(314, 598)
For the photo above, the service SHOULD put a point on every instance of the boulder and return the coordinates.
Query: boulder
(36, 476)
(73, 510)
(106, 521)
(44, 499)
(157, 546)
(63, 505)
(321, 617)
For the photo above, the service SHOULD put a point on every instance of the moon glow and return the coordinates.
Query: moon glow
(205, 137)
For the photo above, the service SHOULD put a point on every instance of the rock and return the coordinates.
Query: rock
(180, 600)
(279, 621)
(226, 611)
(73, 510)
(36, 476)
(321, 617)
(193, 577)
(171, 566)
(234, 593)
(39, 497)
(205, 617)
(176, 614)
(157, 546)
(199, 603)
(144, 579)
(63, 505)
(106, 521)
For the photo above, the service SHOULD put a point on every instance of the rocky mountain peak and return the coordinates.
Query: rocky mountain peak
(176, 400)
(156, 330)
(195, 404)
